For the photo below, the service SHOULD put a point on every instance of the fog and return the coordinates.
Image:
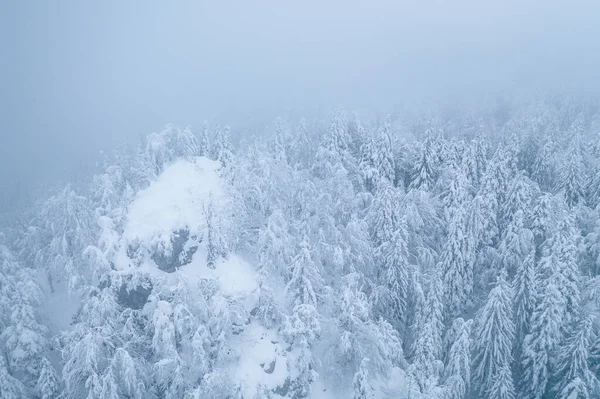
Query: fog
(78, 77)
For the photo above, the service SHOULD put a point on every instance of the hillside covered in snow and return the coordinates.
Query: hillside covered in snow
(440, 256)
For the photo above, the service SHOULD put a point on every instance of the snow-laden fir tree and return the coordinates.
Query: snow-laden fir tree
(456, 265)
(426, 364)
(392, 291)
(425, 171)
(377, 159)
(23, 339)
(573, 378)
(171, 143)
(547, 326)
(361, 384)
(48, 384)
(571, 181)
(203, 142)
(458, 366)
(525, 286)
(302, 327)
(10, 387)
(517, 244)
(493, 337)
(358, 335)
(502, 386)
(563, 246)
(518, 199)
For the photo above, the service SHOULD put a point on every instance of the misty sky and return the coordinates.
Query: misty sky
(77, 76)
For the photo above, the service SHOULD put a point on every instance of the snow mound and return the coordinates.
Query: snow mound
(175, 200)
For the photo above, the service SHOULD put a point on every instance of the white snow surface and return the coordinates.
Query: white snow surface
(176, 199)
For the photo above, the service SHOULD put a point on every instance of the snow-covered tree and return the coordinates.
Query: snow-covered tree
(361, 383)
(456, 265)
(458, 367)
(392, 292)
(171, 143)
(573, 377)
(502, 386)
(48, 384)
(493, 337)
(425, 171)
(547, 328)
(426, 365)
(10, 387)
(525, 296)
(571, 180)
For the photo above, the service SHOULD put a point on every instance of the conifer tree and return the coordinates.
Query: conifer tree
(393, 279)
(571, 175)
(203, 142)
(493, 337)
(428, 346)
(361, 384)
(546, 331)
(574, 379)
(458, 366)
(424, 174)
(525, 297)
(502, 386)
(48, 385)
(456, 265)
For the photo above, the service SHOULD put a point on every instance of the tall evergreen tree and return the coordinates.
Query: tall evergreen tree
(493, 337)
(571, 175)
(425, 169)
(574, 379)
(458, 366)
(456, 265)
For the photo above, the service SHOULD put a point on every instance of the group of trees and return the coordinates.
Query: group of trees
(462, 249)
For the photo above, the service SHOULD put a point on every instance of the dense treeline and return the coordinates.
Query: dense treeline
(461, 249)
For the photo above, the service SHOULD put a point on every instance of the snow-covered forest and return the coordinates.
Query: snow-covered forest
(443, 254)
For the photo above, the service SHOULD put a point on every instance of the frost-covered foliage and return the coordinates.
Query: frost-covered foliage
(451, 256)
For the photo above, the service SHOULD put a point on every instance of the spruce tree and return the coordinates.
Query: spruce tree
(573, 378)
(493, 336)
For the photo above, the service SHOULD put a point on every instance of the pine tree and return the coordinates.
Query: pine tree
(203, 142)
(456, 265)
(457, 194)
(545, 332)
(377, 160)
(393, 277)
(493, 336)
(502, 386)
(571, 175)
(10, 387)
(384, 217)
(543, 169)
(543, 220)
(574, 379)
(214, 245)
(563, 247)
(458, 366)
(425, 171)
(48, 385)
(517, 244)
(361, 385)
(385, 155)
(428, 346)
(359, 335)
(518, 199)
(474, 163)
(525, 296)
(305, 278)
